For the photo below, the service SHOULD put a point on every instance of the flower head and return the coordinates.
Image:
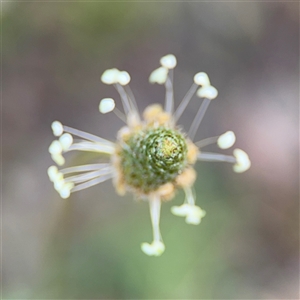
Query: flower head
(152, 157)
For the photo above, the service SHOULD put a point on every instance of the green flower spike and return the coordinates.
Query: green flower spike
(152, 157)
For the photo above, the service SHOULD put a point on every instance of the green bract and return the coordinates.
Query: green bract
(153, 157)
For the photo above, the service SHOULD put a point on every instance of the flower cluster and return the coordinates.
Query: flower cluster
(152, 158)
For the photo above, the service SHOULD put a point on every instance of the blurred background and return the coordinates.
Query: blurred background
(88, 246)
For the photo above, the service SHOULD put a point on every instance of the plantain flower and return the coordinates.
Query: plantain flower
(152, 157)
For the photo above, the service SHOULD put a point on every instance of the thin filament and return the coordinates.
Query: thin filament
(190, 199)
(206, 142)
(84, 168)
(125, 99)
(88, 176)
(155, 204)
(207, 156)
(198, 118)
(185, 101)
(169, 102)
(86, 135)
(91, 183)
(119, 114)
(92, 147)
(131, 97)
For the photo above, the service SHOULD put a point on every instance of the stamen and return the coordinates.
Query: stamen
(131, 96)
(110, 76)
(159, 75)
(93, 147)
(123, 78)
(55, 148)
(124, 98)
(155, 204)
(169, 101)
(192, 213)
(208, 92)
(207, 156)
(202, 79)
(181, 211)
(106, 105)
(206, 142)
(195, 215)
(87, 136)
(185, 101)
(52, 173)
(130, 108)
(65, 190)
(57, 128)
(198, 118)
(190, 198)
(83, 168)
(91, 183)
(88, 176)
(66, 141)
(119, 114)
(58, 159)
(168, 61)
(226, 140)
(156, 248)
(243, 162)
(59, 184)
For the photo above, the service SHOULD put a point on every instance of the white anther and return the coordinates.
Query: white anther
(55, 148)
(106, 105)
(57, 128)
(195, 215)
(169, 61)
(59, 184)
(157, 248)
(65, 191)
(159, 75)
(242, 161)
(110, 76)
(202, 79)
(58, 177)
(58, 158)
(52, 173)
(66, 140)
(180, 211)
(123, 77)
(226, 140)
(208, 92)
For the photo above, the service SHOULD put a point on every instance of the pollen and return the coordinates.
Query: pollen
(151, 112)
(186, 178)
(166, 191)
(193, 151)
(155, 115)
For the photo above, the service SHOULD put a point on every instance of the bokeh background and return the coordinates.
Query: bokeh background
(88, 247)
